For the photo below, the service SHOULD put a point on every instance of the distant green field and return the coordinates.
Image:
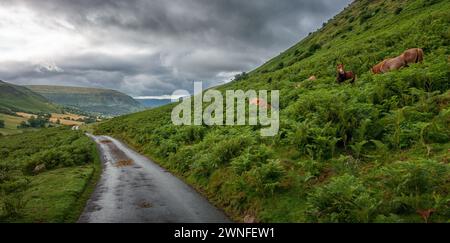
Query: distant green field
(57, 192)
(11, 123)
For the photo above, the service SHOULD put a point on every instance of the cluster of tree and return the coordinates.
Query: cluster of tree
(35, 122)
(240, 76)
(90, 120)
(86, 120)
(4, 110)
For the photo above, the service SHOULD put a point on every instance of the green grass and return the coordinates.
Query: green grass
(89, 187)
(52, 195)
(375, 151)
(55, 194)
(11, 123)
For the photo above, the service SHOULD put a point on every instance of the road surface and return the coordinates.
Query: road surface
(133, 189)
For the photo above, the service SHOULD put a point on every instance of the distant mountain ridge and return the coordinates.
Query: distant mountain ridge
(15, 98)
(152, 103)
(93, 100)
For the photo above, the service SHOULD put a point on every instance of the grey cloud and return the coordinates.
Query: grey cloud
(185, 40)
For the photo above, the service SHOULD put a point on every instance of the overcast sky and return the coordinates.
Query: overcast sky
(149, 47)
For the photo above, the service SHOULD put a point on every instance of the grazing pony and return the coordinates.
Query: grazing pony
(312, 78)
(388, 65)
(414, 55)
(342, 75)
(260, 103)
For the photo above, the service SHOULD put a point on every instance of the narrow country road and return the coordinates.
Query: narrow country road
(133, 189)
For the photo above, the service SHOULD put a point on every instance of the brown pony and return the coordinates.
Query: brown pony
(342, 75)
(389, 65)
(261, 103)
(414, 55)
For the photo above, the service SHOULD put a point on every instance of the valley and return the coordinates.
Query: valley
(100, 102)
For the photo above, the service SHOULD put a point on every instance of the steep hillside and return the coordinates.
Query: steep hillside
(99, 101)
(15, 98)
(374, 151)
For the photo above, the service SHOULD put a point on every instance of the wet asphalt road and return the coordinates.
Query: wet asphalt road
(133, 189)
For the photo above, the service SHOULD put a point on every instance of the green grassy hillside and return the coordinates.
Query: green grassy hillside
(18, 98)
(98, 101)
(68, 168)
(375, 151)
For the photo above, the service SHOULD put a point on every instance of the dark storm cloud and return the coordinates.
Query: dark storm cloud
(152, 47)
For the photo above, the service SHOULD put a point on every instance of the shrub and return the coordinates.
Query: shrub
(414, 185)
(11, 192)
(364, 18)
(4, 172)
(312, 168)
(63, 156)
(266, 179)
(38, 122)
(392, 218)
(351, 19)
(343, 199)
(7, 111)
(279, 66)
(253, 156)
(13, 205)
(415, 177)
(241, 76)
(426, 3)
(2, 124)
(314, 47)
(203, 166)
(22, 125)
(191, 134)
(4, 152)
(437, 131)
(167, 147)
(182, 159)
(229, 148)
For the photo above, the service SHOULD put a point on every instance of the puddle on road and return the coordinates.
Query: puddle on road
(124, 163)
(144, 204)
